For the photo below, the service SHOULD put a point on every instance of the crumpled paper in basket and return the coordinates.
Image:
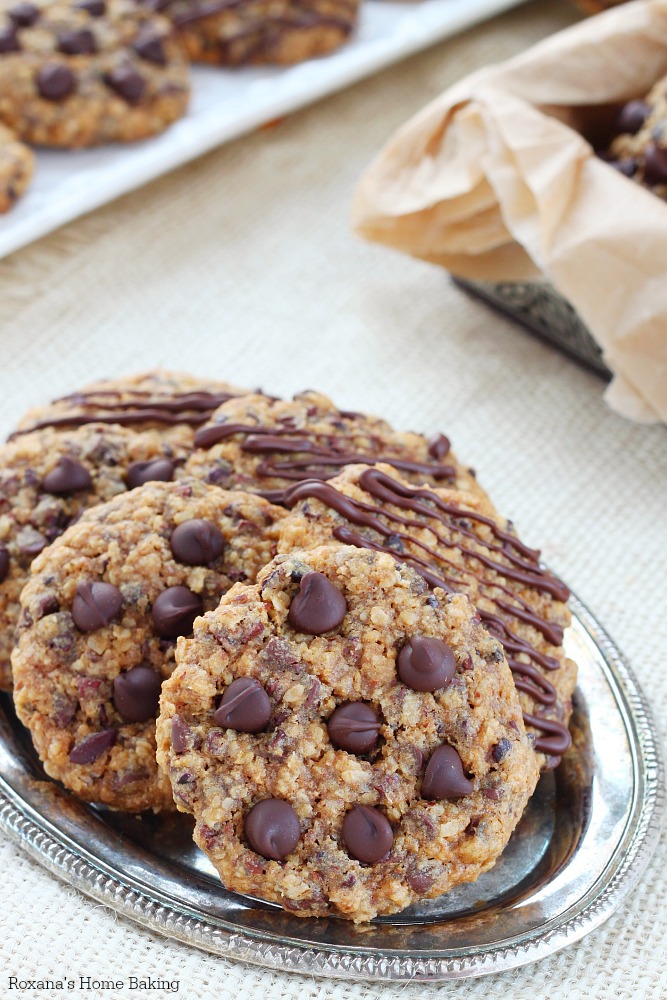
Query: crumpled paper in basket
(492, 181)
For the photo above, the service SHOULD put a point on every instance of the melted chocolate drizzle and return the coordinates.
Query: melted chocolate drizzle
(436, 568)
(105, 406)
(315, 456)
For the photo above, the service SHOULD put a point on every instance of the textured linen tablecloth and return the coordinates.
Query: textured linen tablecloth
(243, 266)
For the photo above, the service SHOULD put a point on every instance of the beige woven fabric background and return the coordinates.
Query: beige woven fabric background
(243, 266)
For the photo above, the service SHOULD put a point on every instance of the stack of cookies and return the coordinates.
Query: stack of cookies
(78, 73)
(310, 631)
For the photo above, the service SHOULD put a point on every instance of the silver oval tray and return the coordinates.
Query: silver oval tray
(581, 846)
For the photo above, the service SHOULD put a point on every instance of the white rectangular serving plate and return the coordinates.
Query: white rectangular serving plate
(226, 104)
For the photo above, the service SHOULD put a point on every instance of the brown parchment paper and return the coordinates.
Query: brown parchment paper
(492, 181)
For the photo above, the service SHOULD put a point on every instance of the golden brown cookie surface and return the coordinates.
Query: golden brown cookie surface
(99, 621)
(348, 741)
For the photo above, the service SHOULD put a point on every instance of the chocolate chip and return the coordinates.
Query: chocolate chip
(67, 476)
(426, 664)
(180, 734)
(272, 829)
(79, 42)
(245, 707)
(367, 834)
(127, 82)
(197, 542)
(23, 15)
(136, 694)
(627, 167)
(174, 611)
(150, 46)
(655, 165)
(55, 81)
(318, 607)
(157, 470)
(96, 8)
(500, 750)
(444, 777)
(93, 746)
(4, 562)
(438, 447)
(354, 727)
(31, 542)
(95, 605)
(9, 40)
(632, 116)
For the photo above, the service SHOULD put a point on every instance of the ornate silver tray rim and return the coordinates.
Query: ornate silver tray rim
(66, 860)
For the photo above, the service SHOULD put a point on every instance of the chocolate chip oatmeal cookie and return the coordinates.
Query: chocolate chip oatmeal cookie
(17, 163)
(160, 399)
(454, 543)
(99, 621)
(639, 150)
(264, 445)
(259, 31)
(348, 741)
(48, 477)
(79, 73)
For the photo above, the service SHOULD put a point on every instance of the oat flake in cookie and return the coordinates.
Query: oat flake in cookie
(264, 445)
(47, 478)
(348, 741)
(154, 399)
(453, 540)
(77, 73)
(99, 622)
(259, 31)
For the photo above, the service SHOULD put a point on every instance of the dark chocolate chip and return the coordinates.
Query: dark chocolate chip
(655, 165)
(127, 82)
(95, 605)
(180, 733)
(93, 746)
(632, 116)
(174, 611)
(149, 45)
(157, 470)
(354, 727)
(79, 42)
(318, 607)
(55, 81)
(197, 542)
(245, 707)
(444, 777)
(367, 834)
(438, 447)
(67, 476)
(31, 542)
(9, 40)
(4, 562)
(23, 15)
(96, 8)
(501, 749)
(136, 694)
(627, 167)
(426, 664)
(272, 829)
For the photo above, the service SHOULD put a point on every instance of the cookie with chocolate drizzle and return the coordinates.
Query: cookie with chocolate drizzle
(241, 32)
(158, 399)
(348, 741)
(456, 544)
(265, 445)
(99, 621)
